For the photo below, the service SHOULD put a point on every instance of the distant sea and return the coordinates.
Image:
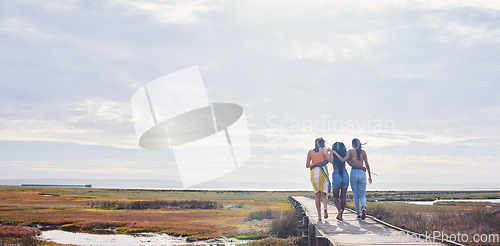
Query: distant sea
(256, 186)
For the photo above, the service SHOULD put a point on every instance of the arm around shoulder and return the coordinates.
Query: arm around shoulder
(328, 155)
(340, 157)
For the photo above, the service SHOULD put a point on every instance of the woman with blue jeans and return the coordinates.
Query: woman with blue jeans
(340, 178)
(356, 157)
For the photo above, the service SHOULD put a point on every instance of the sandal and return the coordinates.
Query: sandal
(326, 214)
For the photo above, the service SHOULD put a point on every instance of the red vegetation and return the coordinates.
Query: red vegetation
(18, 231)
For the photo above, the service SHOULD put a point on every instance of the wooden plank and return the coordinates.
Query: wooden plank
(352, 231)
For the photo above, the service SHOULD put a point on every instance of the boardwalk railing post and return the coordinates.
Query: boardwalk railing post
(302, 226)
(322, 241)
(312, 235)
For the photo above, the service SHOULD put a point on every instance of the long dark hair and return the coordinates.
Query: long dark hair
(357, 146)
(319, 143)
(339, 147)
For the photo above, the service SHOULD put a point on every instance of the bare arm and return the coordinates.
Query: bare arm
(368, 168)
(353, 164)
(318, 164)
(328, 155)
(340, 157)
(308, 160)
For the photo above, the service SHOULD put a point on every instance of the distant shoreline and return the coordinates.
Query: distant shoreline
(243, 186)
(471, 190)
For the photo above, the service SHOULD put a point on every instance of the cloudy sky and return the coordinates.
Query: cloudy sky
(417, 80)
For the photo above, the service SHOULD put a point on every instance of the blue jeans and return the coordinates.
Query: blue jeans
(340, 181)
(358, 184)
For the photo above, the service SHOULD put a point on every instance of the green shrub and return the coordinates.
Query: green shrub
(285, 226)
(291, 241)
(263, 214)
(478, 220)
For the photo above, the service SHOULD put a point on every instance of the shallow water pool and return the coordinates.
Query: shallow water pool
(64, 237)
(448, 200)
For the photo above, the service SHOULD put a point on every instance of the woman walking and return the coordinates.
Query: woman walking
(340, 178)
(316, 161)
(358, 157)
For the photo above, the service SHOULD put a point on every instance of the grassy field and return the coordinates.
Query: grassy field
(89, 210)
(372, 196)
(451, 218)
(208, 214)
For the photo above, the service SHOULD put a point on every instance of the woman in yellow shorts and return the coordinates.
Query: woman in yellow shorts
(316, 161)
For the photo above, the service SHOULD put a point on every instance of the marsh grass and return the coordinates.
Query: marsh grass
(263, 214)
(291, 241)
(285, 226)
(69, 209)
(372, 196)
(24, 241)
(18, 235)
(153, 204)
(468, 220)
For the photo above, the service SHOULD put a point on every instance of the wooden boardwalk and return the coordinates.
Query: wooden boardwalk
(352, 231)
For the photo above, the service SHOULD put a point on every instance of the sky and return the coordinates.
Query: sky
(418, 81)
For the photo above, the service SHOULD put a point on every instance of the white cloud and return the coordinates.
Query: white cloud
(434, 168)
(24, 29)
(102, 111)
(172, 11)
(69, 172)
(91, 122)
(56, 6)
(302, 51)
(42, 164)
(340, 46)
(430, 4)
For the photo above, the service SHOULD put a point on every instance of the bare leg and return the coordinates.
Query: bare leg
(325, 203)
(337, 202)
(342, 202)
(336, 199)
(317, 199)
(343, 194)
